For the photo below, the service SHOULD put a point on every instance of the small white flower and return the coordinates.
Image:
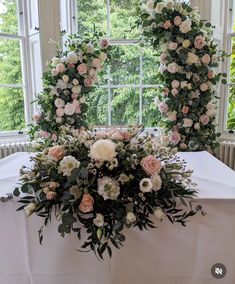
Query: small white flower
(146, 185)
(75, 82)
(59, 103)
(68, 164)
(99, 220)
(185, 26)
(108, 188)
(130, 218)
(29, 209)
(159, 214)
(156, 181)
(103, 150)
(72, 58)
(65, 78)
(82, 100)
(76, 89)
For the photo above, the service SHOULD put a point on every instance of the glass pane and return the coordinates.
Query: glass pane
(150, 113)
(126, 68)
(125, 106)
(92, 13)
(123, 15)
(11, 109)
(231, 109)
(232, 69)
(10, 62)
(8, 17)
(150, 67)
(97, 102)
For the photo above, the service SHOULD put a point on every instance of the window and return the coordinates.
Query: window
(230, 104)
(126, 91)
(12, 85)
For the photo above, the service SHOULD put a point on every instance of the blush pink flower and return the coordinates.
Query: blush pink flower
(175, 137)
(210, 74)
(175, 84)
(87, 203)
(96, 63)
(37, 117)
(204, 119)
(151, 165)
(104, 43)
(60, 68)
(56, 153)
(206, 59)
(199, 42)
(163, 107)
(185, 109)
(60, 112)
(177, 20)
(82, 69)
(44, 134)
(50, 195)
(174, 92)
(167, 24)
(88, 82)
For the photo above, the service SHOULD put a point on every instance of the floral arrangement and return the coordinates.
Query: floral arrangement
(98, 183)
(71, 77)
(188, 57)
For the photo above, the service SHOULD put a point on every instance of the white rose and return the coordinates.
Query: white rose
(185, 26)
(159, 214)
(183, 84)
(170, 5)
(187, 122)
(159, 7)
(103, 150)
(69, 109)
(75, 82)
(203, 87)
(59, 103)
(146, 185)
(76, 89)
(130, 218)
(29, 209)
(68, 164)
(65, 78)
(99, 220)
(172, 68)
(191, 58)
(197, 125)
(210, 106)
(72, 57)
(89, 48)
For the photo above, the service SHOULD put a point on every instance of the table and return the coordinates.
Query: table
(170, 254)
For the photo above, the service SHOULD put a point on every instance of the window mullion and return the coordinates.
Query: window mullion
(109, 98)
(108, 19)
(141, 88)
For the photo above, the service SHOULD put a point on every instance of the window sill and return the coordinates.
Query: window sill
(13, 138)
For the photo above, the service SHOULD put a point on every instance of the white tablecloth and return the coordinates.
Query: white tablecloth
(170, 254)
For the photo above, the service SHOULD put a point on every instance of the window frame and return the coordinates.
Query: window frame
(23, 39)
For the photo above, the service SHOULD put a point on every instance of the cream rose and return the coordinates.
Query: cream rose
(206, 59)
(185, 26)
(192, 58)
(172, 68)
(130, 218)
(173, 45)
(204, 87)
(199, 42)
(187, 122)
(177, 20)
(103, 150)
(29, 209)
(175, 84)
(186, 43)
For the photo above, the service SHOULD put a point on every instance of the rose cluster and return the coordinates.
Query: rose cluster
(188, 58)
(102, 181)
(67, 84)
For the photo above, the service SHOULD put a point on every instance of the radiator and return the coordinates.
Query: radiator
(227, 153)
(10, 148)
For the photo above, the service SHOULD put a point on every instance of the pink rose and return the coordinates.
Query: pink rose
(88, 82)
(167, 24)
(204, 119)
(44, 134)
(210, 74)
(59, 103)
(92, 72)
(175, 137)
(199, 42)
(69, 109)
(104, 43)
(126, 136)
(50, 195)
(175, 84)
(54, 72)
(78, 109)
(86, 204)
(163, 58)
(71, 65)
(60, 112)
(54, 137)
(163, 107)
(74, 96)
(60, 68)
(206, 59)
(185, 109)
(165, 92)
(174, 92)
(56, 153)
(173, 45)
(82, 69)
(177, 20)
(96, 63)
(151, 165)
(187, 122)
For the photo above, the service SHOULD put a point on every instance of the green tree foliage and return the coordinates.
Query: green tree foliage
(11, 99)
(231, 105)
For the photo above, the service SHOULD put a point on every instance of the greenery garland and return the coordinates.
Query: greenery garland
(71, 77)
(188, 57)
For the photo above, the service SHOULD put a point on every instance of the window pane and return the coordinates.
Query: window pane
(231, 109)
(97, 113)
(90, 13)
(125, 106)
(8, 17)
(150, 67)
(10, 62)
(11, 109)
(151, 114)
(126, 69)
(123, 15)
(232, 69)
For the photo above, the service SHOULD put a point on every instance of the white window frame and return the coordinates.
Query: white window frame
(22, 38)
(69, 24)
